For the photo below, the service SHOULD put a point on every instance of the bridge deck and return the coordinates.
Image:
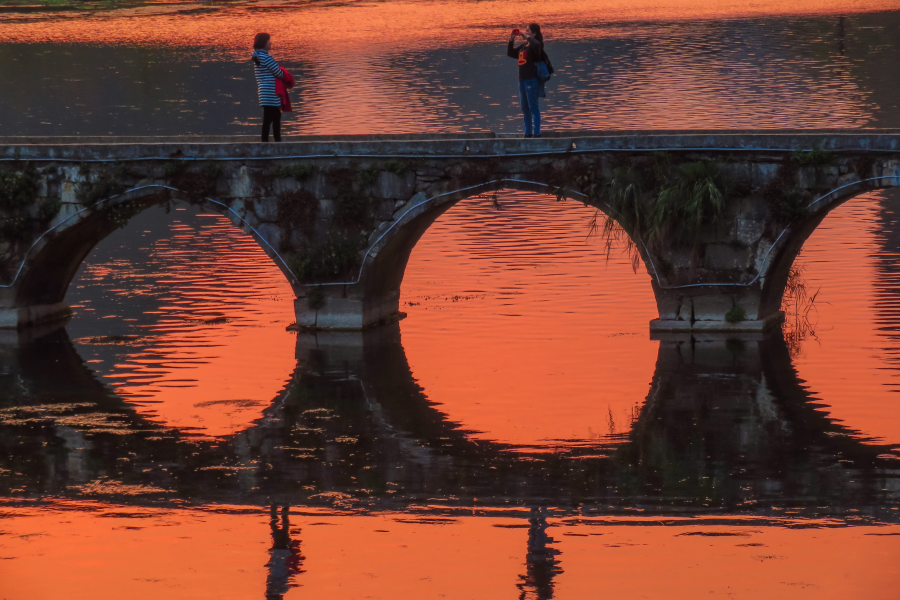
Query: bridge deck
(474, 144)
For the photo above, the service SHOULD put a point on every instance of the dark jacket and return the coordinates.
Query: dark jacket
(527, 56)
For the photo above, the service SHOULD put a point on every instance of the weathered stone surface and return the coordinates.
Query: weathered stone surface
(392, 186)
(384, 210)
(761, 174)
(241, 184)
(726, 257)
(271, 234)
(696, 287)
(748, 231)
(414, 201)
(266, 209)
(667, 305)
(712, 308)
(382, 227)
(285, 184)
(686, 309)
(748, 300)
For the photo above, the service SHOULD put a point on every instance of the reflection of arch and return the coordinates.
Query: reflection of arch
(738, 399)
(765, 415)
(52, 261)
(380, 426)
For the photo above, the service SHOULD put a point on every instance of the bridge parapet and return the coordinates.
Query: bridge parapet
(341, 217)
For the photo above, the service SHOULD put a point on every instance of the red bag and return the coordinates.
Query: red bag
(281, 88)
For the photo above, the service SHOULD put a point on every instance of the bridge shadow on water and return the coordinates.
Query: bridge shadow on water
(726, 427)
(727, 432)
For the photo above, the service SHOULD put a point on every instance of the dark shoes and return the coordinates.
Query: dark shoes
(528, 135)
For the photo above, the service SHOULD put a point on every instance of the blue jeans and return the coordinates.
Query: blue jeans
(528, 96)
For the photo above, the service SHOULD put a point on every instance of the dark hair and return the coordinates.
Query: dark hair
(536, 31)
(260, 41)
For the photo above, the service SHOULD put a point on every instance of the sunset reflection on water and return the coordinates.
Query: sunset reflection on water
(362, 68)
(519, 433)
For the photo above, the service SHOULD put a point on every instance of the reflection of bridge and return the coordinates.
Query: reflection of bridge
(340, 217)
(726, 426)
(727, 429)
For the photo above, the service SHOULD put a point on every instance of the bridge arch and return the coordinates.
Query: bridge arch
(732, 281)
(383, 267)
(39, 283)
(785, 253)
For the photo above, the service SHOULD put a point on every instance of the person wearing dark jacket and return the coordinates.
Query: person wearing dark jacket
(267, 72)
(527, 48)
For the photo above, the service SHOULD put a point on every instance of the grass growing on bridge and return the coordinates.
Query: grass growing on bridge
(336, 257)
(655, 200)
(19, 193)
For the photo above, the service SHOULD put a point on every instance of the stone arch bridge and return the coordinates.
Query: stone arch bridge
(717, 218)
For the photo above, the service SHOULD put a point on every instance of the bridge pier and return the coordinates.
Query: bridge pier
(345, 308)
(733, 309)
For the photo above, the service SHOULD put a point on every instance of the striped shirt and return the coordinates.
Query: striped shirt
(266, 72)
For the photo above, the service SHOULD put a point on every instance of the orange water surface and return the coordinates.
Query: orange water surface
(85, 549)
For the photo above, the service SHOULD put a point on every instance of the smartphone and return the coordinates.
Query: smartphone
(516, 32)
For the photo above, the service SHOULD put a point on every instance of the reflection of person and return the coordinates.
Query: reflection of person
(527, 48)
(540, 561)
(284, 557)
(267, 71)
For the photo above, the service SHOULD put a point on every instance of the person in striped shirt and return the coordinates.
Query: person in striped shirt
(267, 71)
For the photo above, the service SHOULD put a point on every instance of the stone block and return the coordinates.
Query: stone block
(430, 173)
(337, 313)
(754, 207)
(667, 305)
(847, 179)
(807, 177)
(679, 258)
(763, 258)
(393, 186)
(762, 173)
(509, 168)
(65, 212)
(686, 309)
(250, 218)
(413, 202)
(748, 231)
(72, 174)
(748, 299)
(713, 307)
(271, 233)
(438, 188)
(320, 186)
(326, 212)
(726, 257)
(67, 194)
(266, 209)
(712, 233)
(241, 186)
(384, 210)
(298, 238)
(382, 227)
(285, 184)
